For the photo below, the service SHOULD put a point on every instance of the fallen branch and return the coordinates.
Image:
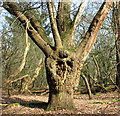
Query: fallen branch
(41, 92)
(20, 78)
(47, 91)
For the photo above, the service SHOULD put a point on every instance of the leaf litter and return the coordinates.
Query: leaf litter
(104, 103)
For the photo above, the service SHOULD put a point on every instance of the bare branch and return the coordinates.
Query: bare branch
(32, 8)
(37, 26)
(79, 13)
(90, 37)
(12, 8)
(58, 43)
(37, 70)
(20, 78)
(24, 57)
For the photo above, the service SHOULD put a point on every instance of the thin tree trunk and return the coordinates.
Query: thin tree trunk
(99, 73)
(87, 85)
(24, 57)
(25, 85)
(37, 70)
(116, 18)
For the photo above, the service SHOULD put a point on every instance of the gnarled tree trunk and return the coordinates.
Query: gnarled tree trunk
(61, 69)
(63, 61)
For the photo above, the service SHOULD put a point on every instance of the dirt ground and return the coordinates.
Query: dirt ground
(102, 103)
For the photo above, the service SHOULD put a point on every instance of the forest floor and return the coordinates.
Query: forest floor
(102, 103)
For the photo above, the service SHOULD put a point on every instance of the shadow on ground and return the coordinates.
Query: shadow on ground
(18, 101)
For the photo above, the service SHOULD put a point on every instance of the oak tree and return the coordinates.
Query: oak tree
(63, 61)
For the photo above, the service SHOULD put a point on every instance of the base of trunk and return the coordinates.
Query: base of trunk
(59, 101)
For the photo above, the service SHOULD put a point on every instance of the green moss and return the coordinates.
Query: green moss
(49, 109)
(16, 104)
(37, 89)
(4, 105)
(90, 98)
(110, 88)
(12, 104)
(71, 107)
(69, 49)
(116, 100)
(29, 24)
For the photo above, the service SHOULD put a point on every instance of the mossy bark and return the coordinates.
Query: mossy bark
(60, 100)
(61, 69)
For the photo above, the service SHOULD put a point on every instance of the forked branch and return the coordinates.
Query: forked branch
(20, 78)
(37, 26)
(26, 80)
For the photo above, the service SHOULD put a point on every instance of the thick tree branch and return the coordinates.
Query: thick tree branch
(37, 26)
(58, 43)
(90, 37)
(79, 13)
(13, 8)
(78, 17)
(64, 21)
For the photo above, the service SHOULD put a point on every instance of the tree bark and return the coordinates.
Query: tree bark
(61, 69)
(90, 37)
(24, 88)
(58, 43)
(14, 8)
(116, 19)
(26, 80)
(87, 86)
